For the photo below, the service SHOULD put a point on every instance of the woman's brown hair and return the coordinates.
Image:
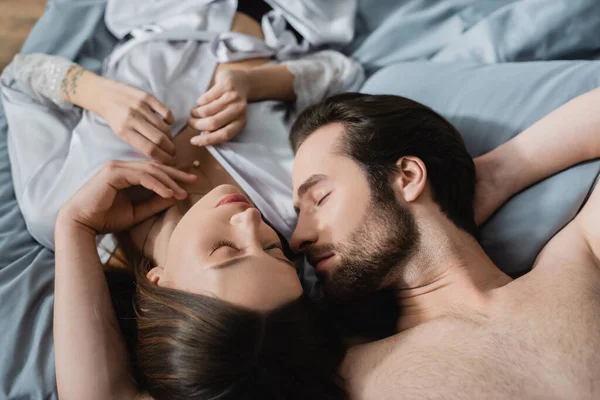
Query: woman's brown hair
(188, 346)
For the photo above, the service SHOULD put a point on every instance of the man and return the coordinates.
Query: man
(384, 188)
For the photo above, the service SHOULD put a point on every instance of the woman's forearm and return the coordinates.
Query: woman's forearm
(563, 138)
(270, 82)
(81, 87)
(91, 356)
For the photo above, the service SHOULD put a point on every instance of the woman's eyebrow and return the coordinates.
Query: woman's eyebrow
(236, 260)
(230, 262)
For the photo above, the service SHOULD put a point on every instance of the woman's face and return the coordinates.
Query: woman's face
(222, 248)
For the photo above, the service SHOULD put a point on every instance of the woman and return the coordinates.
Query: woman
(219, 308)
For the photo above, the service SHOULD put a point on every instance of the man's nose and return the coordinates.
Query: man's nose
(303, 236)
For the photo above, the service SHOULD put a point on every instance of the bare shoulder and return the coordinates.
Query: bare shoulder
(576, 248)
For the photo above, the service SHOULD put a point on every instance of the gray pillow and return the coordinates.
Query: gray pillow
(490, 104)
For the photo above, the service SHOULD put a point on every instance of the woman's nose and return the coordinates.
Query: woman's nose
(247, 219)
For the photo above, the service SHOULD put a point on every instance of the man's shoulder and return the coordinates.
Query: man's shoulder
(575, 250)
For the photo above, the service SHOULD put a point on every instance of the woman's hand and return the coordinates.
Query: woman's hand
(102, 206)
(222, 111)
(138, 118)
(131, 113)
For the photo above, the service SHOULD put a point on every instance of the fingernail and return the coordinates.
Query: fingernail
(194, 140)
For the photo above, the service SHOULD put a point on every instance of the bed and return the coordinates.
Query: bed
(490, 67)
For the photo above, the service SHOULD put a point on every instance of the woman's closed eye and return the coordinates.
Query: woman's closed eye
(230, 244)
(223, 243)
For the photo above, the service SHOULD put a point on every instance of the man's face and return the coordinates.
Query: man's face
(354, 236)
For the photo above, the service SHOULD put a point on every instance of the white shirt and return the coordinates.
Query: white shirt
(55, 148)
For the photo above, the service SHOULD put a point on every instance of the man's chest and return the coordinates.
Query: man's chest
(548, 348)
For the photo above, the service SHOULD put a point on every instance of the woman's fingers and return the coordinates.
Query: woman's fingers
(176, 174)
(230, 114)
(215, 106)
(169, 177)
(152, 183)
(154, 135)
(149, 148)
(211, 95)
(160, 179)
(159, 107)
(155, 120)
(166, 178)
(220, 136)
(122, 175)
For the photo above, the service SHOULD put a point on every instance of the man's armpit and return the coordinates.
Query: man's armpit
(566, 254)
(588, 222)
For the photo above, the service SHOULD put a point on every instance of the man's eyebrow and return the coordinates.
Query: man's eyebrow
(233, 261)
(310, 182)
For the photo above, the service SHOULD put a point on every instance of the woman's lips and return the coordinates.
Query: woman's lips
(232, 198)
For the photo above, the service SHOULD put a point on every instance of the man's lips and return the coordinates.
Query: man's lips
(321, 262)
(232, 198)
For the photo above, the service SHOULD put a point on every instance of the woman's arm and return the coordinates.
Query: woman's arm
(91, 357)
(567, 136)
(270, 82)
(323, 74)
(308, 79)
(39, 77)
(135, 116)
(221, 111)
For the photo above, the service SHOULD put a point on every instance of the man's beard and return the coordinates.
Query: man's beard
(384, 241)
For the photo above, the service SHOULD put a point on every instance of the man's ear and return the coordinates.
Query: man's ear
(155, 275)
(411, 178)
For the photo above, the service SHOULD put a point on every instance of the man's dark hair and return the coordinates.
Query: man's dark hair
(380, 129)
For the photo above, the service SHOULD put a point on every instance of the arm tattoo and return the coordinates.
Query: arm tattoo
(64, 85)
(68, 85)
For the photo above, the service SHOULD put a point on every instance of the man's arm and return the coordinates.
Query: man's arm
(566, 137)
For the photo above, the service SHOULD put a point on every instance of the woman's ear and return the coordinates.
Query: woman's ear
(411, 178)
(155, 275)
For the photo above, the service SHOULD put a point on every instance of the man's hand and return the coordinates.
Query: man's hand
(222, 111)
